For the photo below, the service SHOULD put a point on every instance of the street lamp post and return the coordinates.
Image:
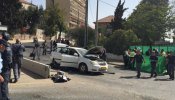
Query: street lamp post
(96, 26)
(86, 26)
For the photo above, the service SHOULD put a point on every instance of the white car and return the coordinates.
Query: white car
(78, 58)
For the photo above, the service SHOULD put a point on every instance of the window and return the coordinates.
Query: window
(73, 52)
(64, 51)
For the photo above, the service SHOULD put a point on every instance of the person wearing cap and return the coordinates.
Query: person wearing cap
(153, 60)
(6, 56)
(18, 50)
(139, 60)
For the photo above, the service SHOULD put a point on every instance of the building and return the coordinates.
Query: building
(26, 5)
(73, 11)
(104, 24)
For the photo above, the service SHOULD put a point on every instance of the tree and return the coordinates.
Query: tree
(150, 20)
(120, 40)
(10, 14)
(41, 18)
(78, 36)
(32, 19)
(117, 23)
(54, 21)
(171, 16)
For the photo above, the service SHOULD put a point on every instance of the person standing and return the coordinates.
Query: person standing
(171, 61)
(139, 60)
(51, 46)
(103, 54)
(132, 60)
(153, 59)
(17, 50)
(126, 58)
(44, 45)
(6, 62)
(36, 49)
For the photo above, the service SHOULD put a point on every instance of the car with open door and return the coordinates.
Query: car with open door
(82, 59)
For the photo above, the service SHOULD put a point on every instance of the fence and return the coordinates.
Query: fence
(161, 64)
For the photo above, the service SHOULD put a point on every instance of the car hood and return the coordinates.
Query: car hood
(93, 53)
(92, 57)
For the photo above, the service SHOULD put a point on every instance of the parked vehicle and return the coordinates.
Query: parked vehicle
(79, 58)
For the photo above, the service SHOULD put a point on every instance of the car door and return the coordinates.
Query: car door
(70, 58)
(56, 55)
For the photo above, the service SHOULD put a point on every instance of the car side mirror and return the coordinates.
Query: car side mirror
(76, 54)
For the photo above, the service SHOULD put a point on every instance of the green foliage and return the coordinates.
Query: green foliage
(32, 19)
(120, 40)
(150, 20)
(10, 14)
(102, 39)
(118, 21)
(54, 21)
(78, 35)
(41, 18)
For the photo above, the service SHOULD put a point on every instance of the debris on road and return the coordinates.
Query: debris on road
(60, 77)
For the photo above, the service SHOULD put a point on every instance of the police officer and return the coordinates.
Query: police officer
(44, 47)
(153, 60)
(36, 49)
(139, 60)
(171, 60)
(7, 61)
(18, 50)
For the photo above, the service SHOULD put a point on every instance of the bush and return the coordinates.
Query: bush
(78, 35)
(119, 41)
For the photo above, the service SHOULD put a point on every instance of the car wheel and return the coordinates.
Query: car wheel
(83, 68)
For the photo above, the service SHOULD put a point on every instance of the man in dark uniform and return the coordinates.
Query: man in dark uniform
(153, 59)
(139, 60)
(7, 61)
(171, 61)
(44, 45)
(18, 50)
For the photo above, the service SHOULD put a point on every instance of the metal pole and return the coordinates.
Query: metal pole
(96, 26)
(86, 26)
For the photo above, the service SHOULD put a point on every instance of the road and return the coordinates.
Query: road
(123, 85)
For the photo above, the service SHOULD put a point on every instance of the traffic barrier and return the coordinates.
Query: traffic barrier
(38, 68)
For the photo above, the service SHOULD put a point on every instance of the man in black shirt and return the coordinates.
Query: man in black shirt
(139, 60)
(171, 60)
(153, 59)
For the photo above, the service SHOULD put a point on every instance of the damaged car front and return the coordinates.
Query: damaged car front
(93, 61)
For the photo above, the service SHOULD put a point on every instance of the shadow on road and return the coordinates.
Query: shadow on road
(31, 74)
(162, 80)
(128, 77)
(134, 77)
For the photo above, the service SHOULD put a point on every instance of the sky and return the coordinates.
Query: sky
(106, 8)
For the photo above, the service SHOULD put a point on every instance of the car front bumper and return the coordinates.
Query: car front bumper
(100, 68)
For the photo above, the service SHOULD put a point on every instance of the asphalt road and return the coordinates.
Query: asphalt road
(123, 85)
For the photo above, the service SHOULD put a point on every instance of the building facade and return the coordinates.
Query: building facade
(26, 5)
(73, 10)
(104, 24)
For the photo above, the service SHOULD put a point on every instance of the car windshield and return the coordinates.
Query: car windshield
(82, 51)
